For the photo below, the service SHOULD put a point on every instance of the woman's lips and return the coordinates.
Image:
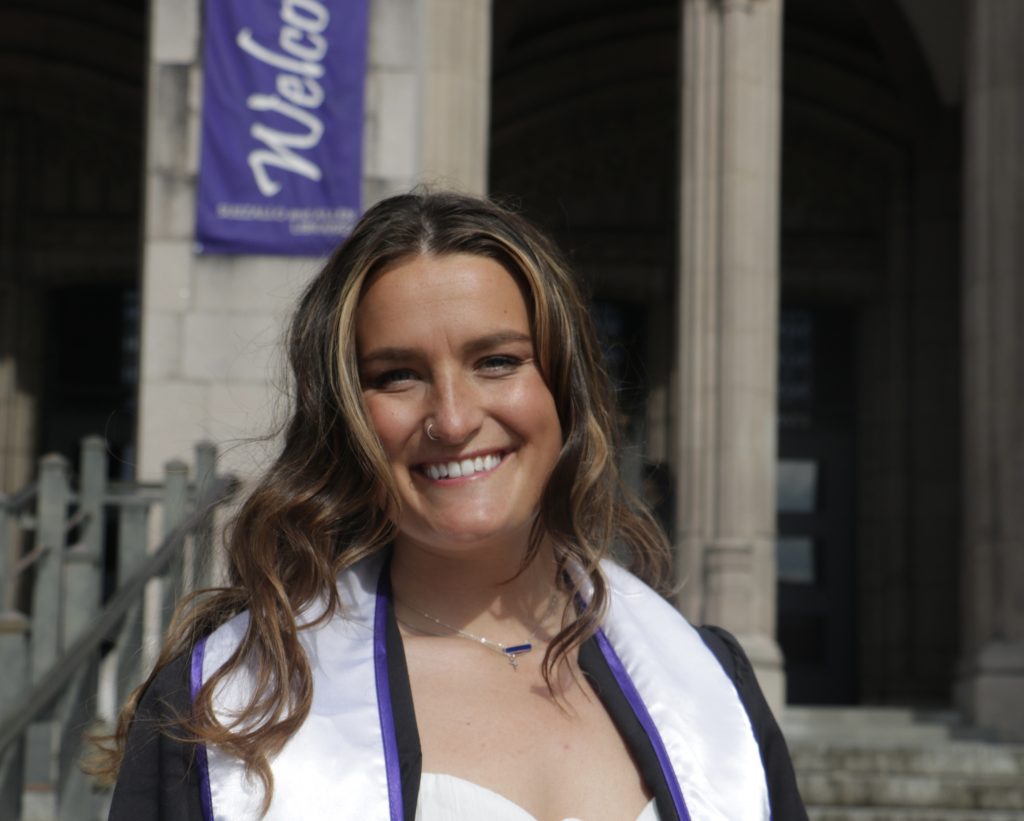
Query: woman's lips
(462, 468)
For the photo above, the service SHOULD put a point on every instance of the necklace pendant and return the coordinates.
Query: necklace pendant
(512, 653)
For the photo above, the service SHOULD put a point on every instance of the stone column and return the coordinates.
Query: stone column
(455, 72)
(727, 318)
(991, 681)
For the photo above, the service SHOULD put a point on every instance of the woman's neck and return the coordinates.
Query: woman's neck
(481, 590)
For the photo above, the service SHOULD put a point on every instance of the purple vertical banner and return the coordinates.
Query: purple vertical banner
(281, 158)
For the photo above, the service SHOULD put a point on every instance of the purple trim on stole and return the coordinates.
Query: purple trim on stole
(195, 682)
(387, 717)
(640, 710)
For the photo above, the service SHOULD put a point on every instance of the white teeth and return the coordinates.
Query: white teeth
(467, 467)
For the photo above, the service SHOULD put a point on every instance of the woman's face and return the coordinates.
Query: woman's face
(445, 341)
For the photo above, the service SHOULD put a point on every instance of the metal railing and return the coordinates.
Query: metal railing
(67, 653)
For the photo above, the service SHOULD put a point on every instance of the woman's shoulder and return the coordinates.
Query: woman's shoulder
(636, 602)
(729, 653)
(632, 598)
(168, 696)
(626, 586)
(779, 775)
(214, 649)
(158, 777)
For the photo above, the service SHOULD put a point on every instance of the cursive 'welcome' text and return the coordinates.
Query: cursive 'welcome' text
(297, 94)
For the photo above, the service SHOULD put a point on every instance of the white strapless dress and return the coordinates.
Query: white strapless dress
(450, 798)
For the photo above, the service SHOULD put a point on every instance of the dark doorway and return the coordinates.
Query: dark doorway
(816, 505)
(90, 372)
(72, 87)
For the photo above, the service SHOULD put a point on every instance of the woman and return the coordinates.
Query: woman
(421, 620)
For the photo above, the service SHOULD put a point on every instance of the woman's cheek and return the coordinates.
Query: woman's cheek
(392, 421)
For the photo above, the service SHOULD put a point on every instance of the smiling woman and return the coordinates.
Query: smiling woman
(421, 620)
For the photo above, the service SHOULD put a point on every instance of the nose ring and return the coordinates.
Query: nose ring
(430, 433)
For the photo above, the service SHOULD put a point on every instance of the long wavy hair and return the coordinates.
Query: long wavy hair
(323, 504)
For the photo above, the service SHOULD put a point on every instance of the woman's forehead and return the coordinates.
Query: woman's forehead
(426, 295)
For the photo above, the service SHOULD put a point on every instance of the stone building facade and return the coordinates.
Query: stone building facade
(798, 224)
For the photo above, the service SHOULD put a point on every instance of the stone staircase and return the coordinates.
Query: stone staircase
(892, 764)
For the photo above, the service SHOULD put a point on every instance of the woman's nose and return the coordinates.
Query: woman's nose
(457, 412)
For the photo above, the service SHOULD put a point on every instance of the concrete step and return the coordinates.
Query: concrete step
(875, 724)
(859, 715)
(908, 814)
(952, 758)
(898, 764)
(844, 789)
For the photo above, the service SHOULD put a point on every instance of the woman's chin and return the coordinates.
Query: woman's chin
(465, 537)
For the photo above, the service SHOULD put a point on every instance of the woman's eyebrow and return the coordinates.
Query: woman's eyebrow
(388, 355)
(483, 343)
(496, 340)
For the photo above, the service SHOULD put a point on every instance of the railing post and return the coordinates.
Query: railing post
(175, 502)
(92, 491)
(75, 710)
(6, 558)
(204, 565)
(83, 590)
(131, 553)
(85, 561)
(42, 748)
(51, 530)
(14, 658)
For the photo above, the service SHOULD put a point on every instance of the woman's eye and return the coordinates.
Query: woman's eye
(500, 363)
(391, 379)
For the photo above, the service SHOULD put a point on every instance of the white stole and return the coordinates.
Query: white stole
(342, 762)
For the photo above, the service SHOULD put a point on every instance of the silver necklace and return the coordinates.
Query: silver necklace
(509, 651)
